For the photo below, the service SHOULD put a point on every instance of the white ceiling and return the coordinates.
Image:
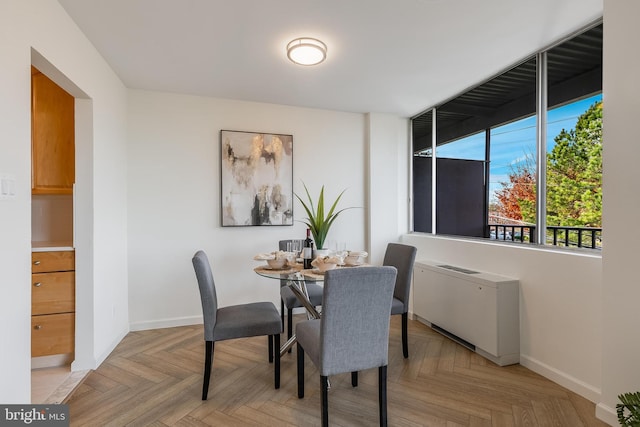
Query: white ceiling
(384, 56)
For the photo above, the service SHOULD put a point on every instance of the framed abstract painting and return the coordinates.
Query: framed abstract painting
(256, 178)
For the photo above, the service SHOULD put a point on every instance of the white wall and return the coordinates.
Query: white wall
(174, 197)
(40, 30)
(621, 287)
(560, 309)
(387, 188)
(15, 213)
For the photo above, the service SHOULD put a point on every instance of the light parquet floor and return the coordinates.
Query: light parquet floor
(155, 378)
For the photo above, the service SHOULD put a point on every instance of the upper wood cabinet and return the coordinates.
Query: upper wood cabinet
(52, 137)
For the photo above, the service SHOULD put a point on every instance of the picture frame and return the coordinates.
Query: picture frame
(256, 179)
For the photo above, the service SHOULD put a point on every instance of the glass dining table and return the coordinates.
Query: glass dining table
(296, 278)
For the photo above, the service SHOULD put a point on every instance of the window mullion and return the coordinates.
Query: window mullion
(434, 139)
(541, 145)
(487, 172)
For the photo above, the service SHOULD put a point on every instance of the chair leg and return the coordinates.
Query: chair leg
(276, 353)
(282, 313)
(354, 378)
(270, 340)
(208, 361)
(382, 394)
(300, 353)
(324, 402)
(405, 344)
(289, 324)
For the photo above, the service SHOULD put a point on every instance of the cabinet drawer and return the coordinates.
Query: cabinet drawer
(53, 292)
(52, 334)
(42, 262)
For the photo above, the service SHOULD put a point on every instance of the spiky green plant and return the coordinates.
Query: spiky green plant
(629, 410)
(318, 222)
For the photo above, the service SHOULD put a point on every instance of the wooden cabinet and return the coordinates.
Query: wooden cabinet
(44, 262)
(52, 303)
(53, 292)
(52, 334)
(52, 173)
(52, 137)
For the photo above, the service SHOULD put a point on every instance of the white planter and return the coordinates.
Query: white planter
(321, 252)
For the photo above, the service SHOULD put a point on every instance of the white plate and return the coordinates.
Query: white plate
(267, 267)
(358, 253)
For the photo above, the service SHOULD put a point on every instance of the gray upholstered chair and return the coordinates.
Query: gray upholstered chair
(353, 333)
(401, 257)
(288, 299)
(236, 321)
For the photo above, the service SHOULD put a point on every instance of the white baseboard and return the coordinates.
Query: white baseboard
(53, 361)
(109, 349)
(166, 323)
(565, 380)
(84, 364)
(606, 414)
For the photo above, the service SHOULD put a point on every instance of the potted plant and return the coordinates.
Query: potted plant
(629, 410)
(317, 220)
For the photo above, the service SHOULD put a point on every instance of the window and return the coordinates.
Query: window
(485, 179)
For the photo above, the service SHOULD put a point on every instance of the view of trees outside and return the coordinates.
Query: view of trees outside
(574, 179)
(574, 168)
(516, 200)
(574, 173)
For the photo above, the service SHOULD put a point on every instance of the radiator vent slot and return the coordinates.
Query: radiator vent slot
(454, 337)
(458, 269)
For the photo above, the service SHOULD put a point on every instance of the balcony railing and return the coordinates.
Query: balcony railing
(513, 232)
(580, 237)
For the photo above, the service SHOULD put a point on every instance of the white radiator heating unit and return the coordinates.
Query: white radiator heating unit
(477, 309)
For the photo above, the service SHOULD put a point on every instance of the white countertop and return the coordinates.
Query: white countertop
(51, 246)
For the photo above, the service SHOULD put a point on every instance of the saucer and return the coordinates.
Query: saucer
(267, 267)
(349, 264)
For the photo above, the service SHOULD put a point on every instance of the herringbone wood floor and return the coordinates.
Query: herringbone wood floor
(155, 378)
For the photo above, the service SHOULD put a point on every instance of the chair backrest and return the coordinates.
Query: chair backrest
(401, 257)
(354, 331)
(282, 244)
(207, 292)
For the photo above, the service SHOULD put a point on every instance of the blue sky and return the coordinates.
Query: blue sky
(511, 143)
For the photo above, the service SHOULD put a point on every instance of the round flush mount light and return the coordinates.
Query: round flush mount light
(306, 51)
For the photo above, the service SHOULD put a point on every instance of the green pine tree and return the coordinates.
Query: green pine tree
(574, 173)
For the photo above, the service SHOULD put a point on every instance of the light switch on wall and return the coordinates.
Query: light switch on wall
(7, 186)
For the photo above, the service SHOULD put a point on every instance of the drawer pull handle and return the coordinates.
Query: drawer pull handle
(37, 284)
(36, 263)
(37, 327)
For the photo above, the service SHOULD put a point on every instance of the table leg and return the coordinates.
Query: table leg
(299, 288)
(289, 344)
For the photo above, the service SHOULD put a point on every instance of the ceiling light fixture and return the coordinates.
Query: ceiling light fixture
(306, 51)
